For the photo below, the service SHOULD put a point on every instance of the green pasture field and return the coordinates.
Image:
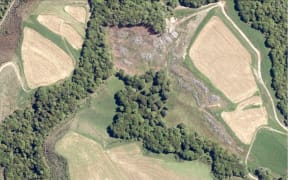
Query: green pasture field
(270, 150)
(92, 120)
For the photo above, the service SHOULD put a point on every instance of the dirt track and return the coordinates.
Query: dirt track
(15, 67)
(77, 12)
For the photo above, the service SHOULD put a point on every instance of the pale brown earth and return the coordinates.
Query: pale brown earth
(44, 62)
(244, 122)
(219, 55)
(58, 26)
(88, 160)
(77, 12)
(9, 90)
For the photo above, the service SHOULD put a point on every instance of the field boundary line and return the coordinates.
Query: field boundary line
(14, 66)
(258, 75)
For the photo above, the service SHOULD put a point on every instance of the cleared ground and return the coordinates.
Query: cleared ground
(77, 12)
(244, 120)
(44, 62)
(88, 160)
(270, 150)
(220, 56)
(9, 91)
(59, 26)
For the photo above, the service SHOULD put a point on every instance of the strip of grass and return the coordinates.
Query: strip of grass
(180, 13)
(188, 63)
(55, 38)
(270, 150)
(258, 40)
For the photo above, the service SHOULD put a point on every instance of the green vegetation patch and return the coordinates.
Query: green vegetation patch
(270, 150)
(94, 118)
(272, 25)
(62, 43)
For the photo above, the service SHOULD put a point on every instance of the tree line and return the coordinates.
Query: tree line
(270, 18)
(141, 110)
(4, 5)
(23, 133)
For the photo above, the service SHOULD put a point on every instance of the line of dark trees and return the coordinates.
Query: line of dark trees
(270, 17)
(195, 3)
(4, 5)
(23, 133)
(141, 108)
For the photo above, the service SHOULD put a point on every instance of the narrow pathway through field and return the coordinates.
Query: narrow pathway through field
(259, 75)
(14, 66)
(260, 79)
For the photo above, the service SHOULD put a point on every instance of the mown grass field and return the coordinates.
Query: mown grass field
(93, 119)
(270, 150)
(88, 148)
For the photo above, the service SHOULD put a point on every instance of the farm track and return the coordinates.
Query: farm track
(260, 79)
(258, 75)
(14, 66)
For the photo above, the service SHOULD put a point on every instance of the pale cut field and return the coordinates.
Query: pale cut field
(244, 122)
(219, 55)
(77, 12)
(44, 62)
(58, 26)
(88, 160)
(9, 90)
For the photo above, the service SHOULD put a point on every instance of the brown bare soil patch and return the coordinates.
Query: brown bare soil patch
(244, 122)
(44, 62)
(77, 12)
(136, 50)
(88, 160)
(58, 26)
(219, 55)
(11, 27)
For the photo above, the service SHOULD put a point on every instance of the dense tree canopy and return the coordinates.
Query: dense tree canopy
(4, 5)
(142, 102)
(195, 3)
(23, 133)
(270, 17)
(140, 116)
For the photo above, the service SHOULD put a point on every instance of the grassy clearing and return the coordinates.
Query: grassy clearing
(180, 13)
(88, 148)
(270, 150)
(93, 119)
(183, 109)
